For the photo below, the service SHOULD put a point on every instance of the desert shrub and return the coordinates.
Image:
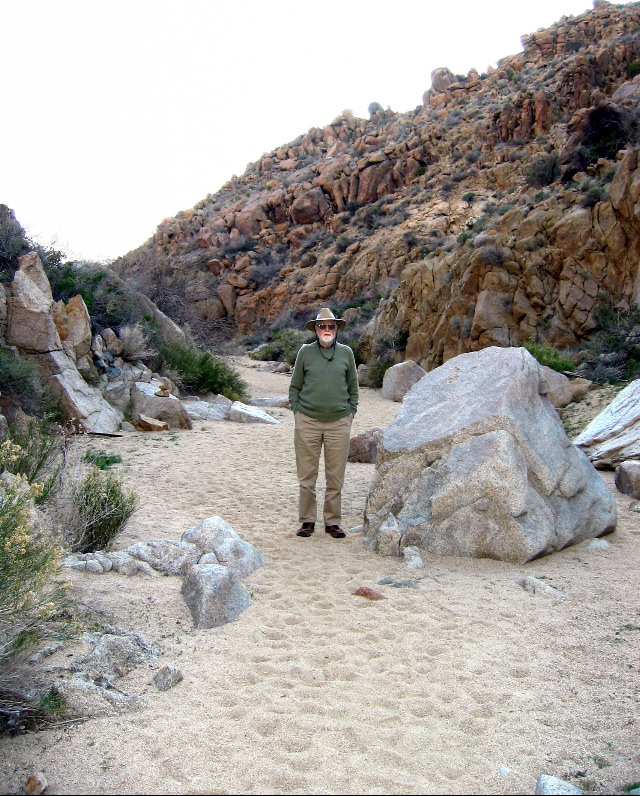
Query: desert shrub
(38, 453)
(593, 195)
(101, 459)
(108, 305)
(282, 347)
(492, 255)
(343, 242)
(135, 343)
(543, 171)
(21, 383)
(31, 604)
(607, 129)
(383, 357)
(374, 107)
(13, 242)
(633, 68)
(101, 508)
(547, 355)
(201, 370)
(264, 273)
(479, 224)
(613, 352)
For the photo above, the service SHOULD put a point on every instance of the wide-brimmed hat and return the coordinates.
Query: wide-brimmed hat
(325, 314)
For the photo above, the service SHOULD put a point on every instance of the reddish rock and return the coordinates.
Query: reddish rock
(369, 593)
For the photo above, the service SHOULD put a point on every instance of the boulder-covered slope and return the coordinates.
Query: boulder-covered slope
(502, 208)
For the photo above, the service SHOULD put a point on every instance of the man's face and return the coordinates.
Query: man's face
(326, 331)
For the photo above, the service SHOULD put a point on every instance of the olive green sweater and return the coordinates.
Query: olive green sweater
(324, 384)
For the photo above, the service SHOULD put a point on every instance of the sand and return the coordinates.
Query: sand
(461, 682)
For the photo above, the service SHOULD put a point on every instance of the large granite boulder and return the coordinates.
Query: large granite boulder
(477, 463)
(84, 405)
(614, 435)
(31, 326)
(74, 327)
(32, 329)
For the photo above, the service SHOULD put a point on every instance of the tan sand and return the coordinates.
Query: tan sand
(313, 690)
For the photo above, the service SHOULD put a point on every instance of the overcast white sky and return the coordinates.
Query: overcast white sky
(120, 113)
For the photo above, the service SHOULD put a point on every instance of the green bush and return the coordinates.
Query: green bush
(37, 449)
(101, 459)
(13, 243)
(283, 346)
(107, 304)
(613, 352)
(21, 383)
(201, 370)
(593, 195)
(32, 607)
(547, 355)
(101, 510)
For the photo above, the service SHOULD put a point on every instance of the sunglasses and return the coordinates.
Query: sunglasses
(330, 326)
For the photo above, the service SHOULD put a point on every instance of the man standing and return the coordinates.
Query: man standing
(324, 398)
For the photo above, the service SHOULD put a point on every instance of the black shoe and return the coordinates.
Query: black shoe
(306, 529)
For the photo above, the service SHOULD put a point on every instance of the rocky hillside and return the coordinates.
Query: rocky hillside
(502, 208)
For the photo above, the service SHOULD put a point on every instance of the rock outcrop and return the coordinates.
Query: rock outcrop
(31, 328)
(477, 463)
(474, 220)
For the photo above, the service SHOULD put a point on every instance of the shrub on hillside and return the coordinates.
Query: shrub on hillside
(547, 355)
(282, 347)
(613, 352)
(201, 370)
(108, 305)
(135, 343)
(492, 255)
(543, 171)
(22, 385)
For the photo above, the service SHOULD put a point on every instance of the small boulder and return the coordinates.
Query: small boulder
(144, 423)
(550, 786)
(206, 410)
(213, 595)
(627, 478)
(242, 413)
(399, 379)
(364, 447)
(556, 386)
(165, 555)
(216, 536)
(167, 677)
(146, 402)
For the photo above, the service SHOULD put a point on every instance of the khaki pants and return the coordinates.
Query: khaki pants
(310, 436)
